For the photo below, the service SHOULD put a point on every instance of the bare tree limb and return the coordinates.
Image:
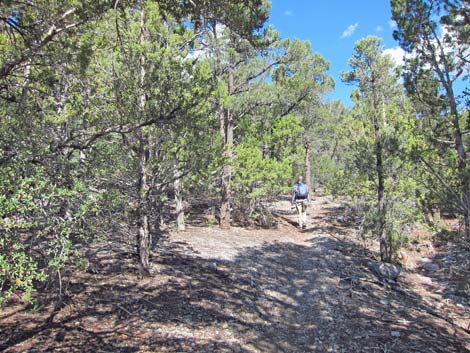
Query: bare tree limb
(444, 183)
(119, 129)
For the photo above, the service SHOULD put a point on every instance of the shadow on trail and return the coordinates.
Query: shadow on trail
(280, 297)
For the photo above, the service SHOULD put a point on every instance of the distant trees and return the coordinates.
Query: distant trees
(263, 80)
(102, 107)
(435, 34)
(408, 144)
(112, 110)
(378, 163)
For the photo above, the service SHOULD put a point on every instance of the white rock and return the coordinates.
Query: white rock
(424, 279)
(385, 270)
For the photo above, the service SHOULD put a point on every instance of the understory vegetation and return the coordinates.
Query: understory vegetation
(121, 113)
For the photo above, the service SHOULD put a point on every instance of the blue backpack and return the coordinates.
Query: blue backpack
(301, 191)
(14, 20)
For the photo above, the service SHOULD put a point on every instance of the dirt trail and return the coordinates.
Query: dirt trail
(276, 290)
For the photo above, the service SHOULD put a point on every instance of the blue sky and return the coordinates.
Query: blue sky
(333, 27)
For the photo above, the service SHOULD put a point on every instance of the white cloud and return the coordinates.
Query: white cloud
(379, 28)
(452, 47)
(288, 13)
(446, 43)
(392, 24)
(205, 52)
(348, 32)
(397, 54)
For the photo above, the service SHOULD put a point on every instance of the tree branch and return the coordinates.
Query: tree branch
(256, 75)
(443, 182)
(52, 32)
(120, 129)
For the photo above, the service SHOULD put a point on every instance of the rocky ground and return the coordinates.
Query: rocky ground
(250, 290)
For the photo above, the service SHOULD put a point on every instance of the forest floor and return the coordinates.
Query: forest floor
(251, 290)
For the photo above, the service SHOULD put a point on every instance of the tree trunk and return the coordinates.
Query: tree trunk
(144, 244)
(84, 128)
(385, 242)
(447, 82)
(25, 86)
(227, 176)
(467, 220)
(144, 177)
(180, 225)
(464, 174)
(382, 230)
(308, 165)
(467, 225)
(143, 222)
(227, 118)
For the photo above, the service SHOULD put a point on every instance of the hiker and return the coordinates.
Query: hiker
(301, 198)
(14, 20)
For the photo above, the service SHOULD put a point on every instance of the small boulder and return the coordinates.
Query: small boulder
(213, 266)
(385, 270)
(431, 267)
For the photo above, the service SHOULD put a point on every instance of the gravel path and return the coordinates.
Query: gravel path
(243, 290)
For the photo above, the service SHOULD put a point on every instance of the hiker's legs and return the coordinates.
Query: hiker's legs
(304, 213)
(299, 208)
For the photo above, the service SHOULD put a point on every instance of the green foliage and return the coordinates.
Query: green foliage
(95, 98)
(379, 172)
(18, 270)
(88, 88)
(429, 29)
(36, 234)
(264, 161)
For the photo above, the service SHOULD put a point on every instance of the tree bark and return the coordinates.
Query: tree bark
(308, 165)
(84, 127)
(462, 165)
(144, 175)
(180, 224)
(385, 242)
(385, 253)
(443, 72)
(143, 222)
(227, 118)
(25, 86)
(227, 176)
